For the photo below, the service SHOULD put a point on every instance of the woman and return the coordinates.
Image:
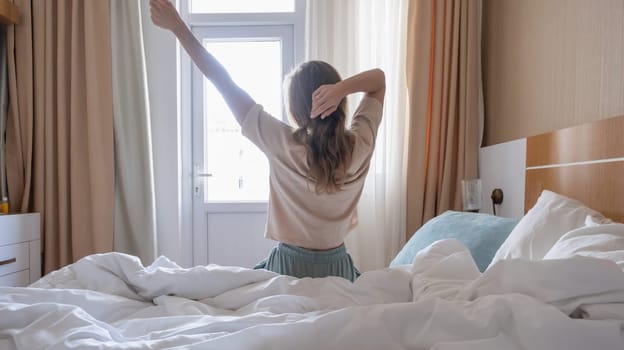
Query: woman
(317, 166)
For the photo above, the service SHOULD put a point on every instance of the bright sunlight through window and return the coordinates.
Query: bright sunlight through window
(240, 171)
(241, 6)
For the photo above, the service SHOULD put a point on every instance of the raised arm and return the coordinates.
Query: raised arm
(165, 15)
(326, 98)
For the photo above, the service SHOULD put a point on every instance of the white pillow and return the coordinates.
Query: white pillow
(552, 216)
(597, 241)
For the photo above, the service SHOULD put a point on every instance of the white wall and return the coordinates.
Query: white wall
(503, 166)
(161, 60)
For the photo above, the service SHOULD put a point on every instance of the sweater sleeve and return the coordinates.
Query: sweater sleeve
(271, 135)
(365, 124)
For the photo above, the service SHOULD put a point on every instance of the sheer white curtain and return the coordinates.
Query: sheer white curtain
(135, 213)
(355, 35)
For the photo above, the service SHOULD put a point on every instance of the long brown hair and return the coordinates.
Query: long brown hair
(328, 143)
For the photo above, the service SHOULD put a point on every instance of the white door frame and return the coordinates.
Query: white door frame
(193, 224)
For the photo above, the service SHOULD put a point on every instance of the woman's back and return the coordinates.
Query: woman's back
(298, 214)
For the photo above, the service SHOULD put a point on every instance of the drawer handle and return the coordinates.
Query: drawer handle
(7, 261)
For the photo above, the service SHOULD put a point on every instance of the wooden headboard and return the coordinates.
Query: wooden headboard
(584, 162)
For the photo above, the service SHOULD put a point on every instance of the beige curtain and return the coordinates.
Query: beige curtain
(444, 80)
(60, 127)
(4, 102)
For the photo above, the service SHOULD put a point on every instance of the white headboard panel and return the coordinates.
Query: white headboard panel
(503, 166)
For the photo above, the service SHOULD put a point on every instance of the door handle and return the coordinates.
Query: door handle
(199, 175)
(198, 172)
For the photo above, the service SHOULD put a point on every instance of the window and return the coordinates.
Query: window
(258, 42)
(240, 171)
(241, 6)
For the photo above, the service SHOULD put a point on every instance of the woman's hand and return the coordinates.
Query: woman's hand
(325, 100)
(165, 15)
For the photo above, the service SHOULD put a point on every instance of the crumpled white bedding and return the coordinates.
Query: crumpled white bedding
(110, 301)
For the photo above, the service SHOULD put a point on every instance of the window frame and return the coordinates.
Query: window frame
(295, 19)
(281, 33)
(237, 13)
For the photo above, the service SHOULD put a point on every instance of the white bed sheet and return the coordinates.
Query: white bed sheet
(111, 301)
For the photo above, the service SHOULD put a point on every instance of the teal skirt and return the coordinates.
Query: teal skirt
(294, 261)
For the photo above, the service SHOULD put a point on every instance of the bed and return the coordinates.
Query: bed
(556, 281)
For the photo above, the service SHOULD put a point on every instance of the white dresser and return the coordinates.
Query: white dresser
(20, 249)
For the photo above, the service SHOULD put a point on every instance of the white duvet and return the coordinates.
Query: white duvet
(111, 301)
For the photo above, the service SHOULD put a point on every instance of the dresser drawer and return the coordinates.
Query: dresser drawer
(19, 228)
(14, 258)
(18, 279)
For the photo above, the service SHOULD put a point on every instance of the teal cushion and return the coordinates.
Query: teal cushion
(482, 234)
